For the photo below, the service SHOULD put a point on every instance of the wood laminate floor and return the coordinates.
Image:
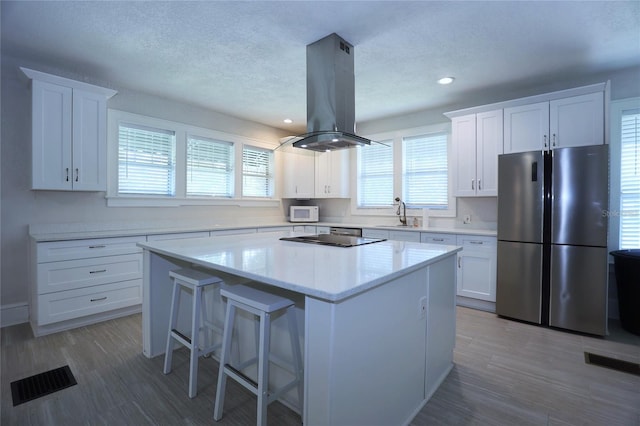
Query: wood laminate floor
(506, 373)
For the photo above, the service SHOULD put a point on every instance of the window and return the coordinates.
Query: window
(375, 175)
(630, 179)
(412, 164)
(425, 171)
(146, 160)
(160, 163)
(209, 167)
(257, 172)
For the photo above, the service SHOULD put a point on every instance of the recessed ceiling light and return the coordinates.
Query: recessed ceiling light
(446, 80)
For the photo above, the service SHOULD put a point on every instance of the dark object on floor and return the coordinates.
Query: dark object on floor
(627, 266)
(30, 388)
(615, 364)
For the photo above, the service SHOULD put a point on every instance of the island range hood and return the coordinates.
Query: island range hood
(330, 97)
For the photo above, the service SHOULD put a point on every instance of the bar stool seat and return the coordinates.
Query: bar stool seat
(261, 304)
(195, 281)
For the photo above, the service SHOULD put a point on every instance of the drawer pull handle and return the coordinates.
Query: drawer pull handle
(98, 246)
(98, 271)
(99, 299)
(438, 239)
(475, 242)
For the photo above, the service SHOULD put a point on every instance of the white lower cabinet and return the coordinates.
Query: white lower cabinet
(477, 267)
(79, 282)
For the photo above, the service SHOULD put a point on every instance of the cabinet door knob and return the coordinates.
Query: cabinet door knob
(77, 174)
(479, 184)
(67, 170)
(473, 181)
(545, 141)
(554, 139)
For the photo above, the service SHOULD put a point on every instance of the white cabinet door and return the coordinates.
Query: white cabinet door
(69, 134)
(89, 141)
(332, 174)
(464, 147)
(526, 128)
(577, 121)
(560, 123)
(299, 174)
(51, 136)
(489, 130)
(477, 267)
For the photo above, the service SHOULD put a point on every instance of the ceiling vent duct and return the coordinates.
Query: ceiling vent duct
(330, 97)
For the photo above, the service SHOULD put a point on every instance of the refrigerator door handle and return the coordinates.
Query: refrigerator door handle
(534, 171)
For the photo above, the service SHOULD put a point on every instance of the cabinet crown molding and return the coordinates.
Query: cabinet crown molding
(560, 94)
(54, 79)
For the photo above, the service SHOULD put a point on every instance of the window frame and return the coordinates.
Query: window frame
(182, 131)
(615, 158)
(396, 137)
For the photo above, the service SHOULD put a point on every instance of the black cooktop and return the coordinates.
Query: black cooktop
(333, 240)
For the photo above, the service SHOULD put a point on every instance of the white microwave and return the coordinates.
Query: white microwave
(303, 214)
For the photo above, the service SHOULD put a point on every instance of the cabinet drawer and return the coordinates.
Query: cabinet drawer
(375, 233)
(55, 251)
(404, 236)
(476, 241)
(70, 304)
(275, 229)
(238, 231)
(178, 236)
(73, 274)
(435, 238)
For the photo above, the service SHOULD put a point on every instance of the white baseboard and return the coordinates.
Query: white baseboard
(16, 313)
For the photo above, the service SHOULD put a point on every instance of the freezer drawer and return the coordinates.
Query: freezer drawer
(519, 287)
(578, 299)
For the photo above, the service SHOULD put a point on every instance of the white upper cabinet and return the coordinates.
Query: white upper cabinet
(559, 123)
(299, 174)
(332, 174)
(69, 133)
(577, 121)
(477, 142)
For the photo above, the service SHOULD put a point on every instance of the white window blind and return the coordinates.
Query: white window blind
(424, 171)
(146, 160)
(209, 167)
(257, 172)
(630, 180)
(375, 175)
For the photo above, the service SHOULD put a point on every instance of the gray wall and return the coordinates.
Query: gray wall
(21, 206)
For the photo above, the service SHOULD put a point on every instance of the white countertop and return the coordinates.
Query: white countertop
(77, 231)
(325, 272)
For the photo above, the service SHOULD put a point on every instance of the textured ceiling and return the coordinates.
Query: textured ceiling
(247, 58)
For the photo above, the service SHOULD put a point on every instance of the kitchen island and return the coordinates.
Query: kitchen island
(377, 320)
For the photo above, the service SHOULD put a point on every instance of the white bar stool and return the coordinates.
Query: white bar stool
(195, 281)
(261, 304)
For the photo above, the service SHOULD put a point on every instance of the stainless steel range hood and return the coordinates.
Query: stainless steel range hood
(330, 97)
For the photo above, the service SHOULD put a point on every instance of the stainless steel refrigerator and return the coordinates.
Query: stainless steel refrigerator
(552, 237)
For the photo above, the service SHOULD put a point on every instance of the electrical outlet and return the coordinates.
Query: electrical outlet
(467, 218)
(422, 308)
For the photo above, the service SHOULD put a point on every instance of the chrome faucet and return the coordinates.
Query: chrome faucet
(403, 218)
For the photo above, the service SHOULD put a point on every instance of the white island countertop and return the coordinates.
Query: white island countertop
(324, 272)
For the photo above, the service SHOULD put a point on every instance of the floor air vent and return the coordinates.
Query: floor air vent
(614, 364)
(42, 384)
